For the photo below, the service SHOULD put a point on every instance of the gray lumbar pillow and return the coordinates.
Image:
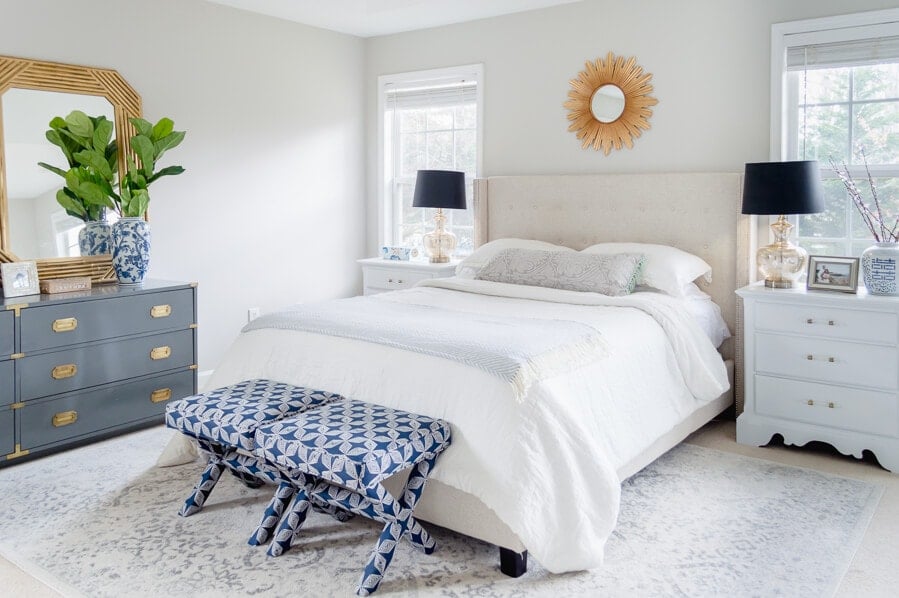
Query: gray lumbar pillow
(607, 274)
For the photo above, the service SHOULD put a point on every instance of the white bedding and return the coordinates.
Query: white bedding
(546, 464)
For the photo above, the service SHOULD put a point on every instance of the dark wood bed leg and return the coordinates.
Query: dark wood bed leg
(511, 563)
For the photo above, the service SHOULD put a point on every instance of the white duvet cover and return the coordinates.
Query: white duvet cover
(546, 464)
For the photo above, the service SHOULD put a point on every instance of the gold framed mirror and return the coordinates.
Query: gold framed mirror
(609, 103)
(35, 89)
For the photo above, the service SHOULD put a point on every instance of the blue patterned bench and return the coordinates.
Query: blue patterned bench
(224, 422)
(339, 454)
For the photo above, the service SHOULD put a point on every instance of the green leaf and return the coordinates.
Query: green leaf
(92, 193)
(167, 171)
(168, 142)
(145, 151)
(72, 206)
(102, 134)
(162, 129)
(96, 160)
(80, 124)
(58, 122)
(52, 168)
(54, 138)
(143, 127)
(139, 203)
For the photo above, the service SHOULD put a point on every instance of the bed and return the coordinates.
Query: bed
(540, 470)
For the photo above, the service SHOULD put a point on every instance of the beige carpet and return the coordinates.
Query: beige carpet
(872, 573)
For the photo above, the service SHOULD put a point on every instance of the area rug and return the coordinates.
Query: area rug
(102, 521)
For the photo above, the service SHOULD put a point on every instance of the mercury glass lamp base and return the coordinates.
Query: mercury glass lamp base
(779, 284)
(439, 259)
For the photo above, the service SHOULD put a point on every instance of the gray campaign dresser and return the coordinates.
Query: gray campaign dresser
(75, 367)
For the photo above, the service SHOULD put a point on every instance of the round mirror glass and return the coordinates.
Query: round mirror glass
(607, 103)
(38, 226)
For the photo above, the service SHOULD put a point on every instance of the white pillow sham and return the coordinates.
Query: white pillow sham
(666, 268)
(612, 275)
(707, 313)
(469, 267)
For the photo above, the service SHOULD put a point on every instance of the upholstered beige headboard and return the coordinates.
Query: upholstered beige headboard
(696, 212)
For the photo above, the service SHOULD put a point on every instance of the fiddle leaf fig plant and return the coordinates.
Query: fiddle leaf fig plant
(91, 153)
(149, 145)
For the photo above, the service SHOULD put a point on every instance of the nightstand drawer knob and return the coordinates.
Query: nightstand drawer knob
(810, 321)
(810, 402)
(389, 280)
(810, 357)
(830, 322)
(831, 359)
(399, 281)
(830, 405)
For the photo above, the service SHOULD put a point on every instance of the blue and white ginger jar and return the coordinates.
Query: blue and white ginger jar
(879, 268)
(131, 250)
(95, 238)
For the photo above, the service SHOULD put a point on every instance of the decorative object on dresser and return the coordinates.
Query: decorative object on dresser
(441, 189)
(821, 366)
(66, 285)
(80, 366)
(609, 103)
(131, 233)
(879, 260)
(779, 188)
(389, 252)
(20, 279)
(24, 85)
(828, 273)
(380, 275)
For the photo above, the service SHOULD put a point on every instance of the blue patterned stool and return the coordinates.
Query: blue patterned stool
(339, 454)
(224, 422)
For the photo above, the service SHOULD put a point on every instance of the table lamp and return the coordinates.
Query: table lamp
(441, 189)
(782, 188)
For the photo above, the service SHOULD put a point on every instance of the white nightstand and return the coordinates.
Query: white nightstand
(380, 275)
(821, 366)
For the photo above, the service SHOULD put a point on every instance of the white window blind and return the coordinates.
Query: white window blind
(858, 52)
(430, 121)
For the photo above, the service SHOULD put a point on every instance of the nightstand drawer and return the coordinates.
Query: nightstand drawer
(7, 333)
(826, 360)
(73, 369)
(391, 280)
(80, 413)
(828, 322)
(53, 326)
(846, 408)
(7, 383)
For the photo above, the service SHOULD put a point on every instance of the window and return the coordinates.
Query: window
(430, 120)
(835, 88)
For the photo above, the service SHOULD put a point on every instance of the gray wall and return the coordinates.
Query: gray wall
(270, 209)
(709, 60)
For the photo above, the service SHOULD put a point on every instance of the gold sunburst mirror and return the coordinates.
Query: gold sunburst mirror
(608, 104)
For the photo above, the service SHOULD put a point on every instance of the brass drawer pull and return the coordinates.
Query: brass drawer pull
(831, 359)
(160, 311)
(64, 418)
(810, 402)
(161, 353)
(830, 323)
(160, 395)
(810, 357)
(810, 321)
(61, 372)
(64, 325)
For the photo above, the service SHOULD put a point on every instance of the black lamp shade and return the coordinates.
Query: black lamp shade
(439, 189)
(783, 188)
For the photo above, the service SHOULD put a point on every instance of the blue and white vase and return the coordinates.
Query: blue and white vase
(131, 249)
(879, 268)
(95, 238)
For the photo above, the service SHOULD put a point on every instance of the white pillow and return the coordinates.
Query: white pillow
(707, 313)
(471, 265)
(666, 268)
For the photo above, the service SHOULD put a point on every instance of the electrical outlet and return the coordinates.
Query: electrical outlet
(252, 314)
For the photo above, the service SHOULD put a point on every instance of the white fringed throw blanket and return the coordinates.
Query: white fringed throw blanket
(520, 351)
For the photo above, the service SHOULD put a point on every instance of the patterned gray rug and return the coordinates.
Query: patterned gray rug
(101, 521)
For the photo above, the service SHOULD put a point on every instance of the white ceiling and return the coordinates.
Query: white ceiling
(368, 18)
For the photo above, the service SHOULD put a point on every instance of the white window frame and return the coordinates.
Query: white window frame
(385, 207)
(857, 26)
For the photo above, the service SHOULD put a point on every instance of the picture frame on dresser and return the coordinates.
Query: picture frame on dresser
(20, 279)
(829, 273)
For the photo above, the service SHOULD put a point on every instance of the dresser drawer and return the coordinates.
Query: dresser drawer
(391, 279)
(824, 360)
(845, 408)
(73, 369)
(53, 326)
(828, 322)
(81, 413)
(7, 432)
(7, 383)
(7, 333)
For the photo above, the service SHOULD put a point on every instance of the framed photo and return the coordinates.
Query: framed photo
(828, 273)
(20, 278)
